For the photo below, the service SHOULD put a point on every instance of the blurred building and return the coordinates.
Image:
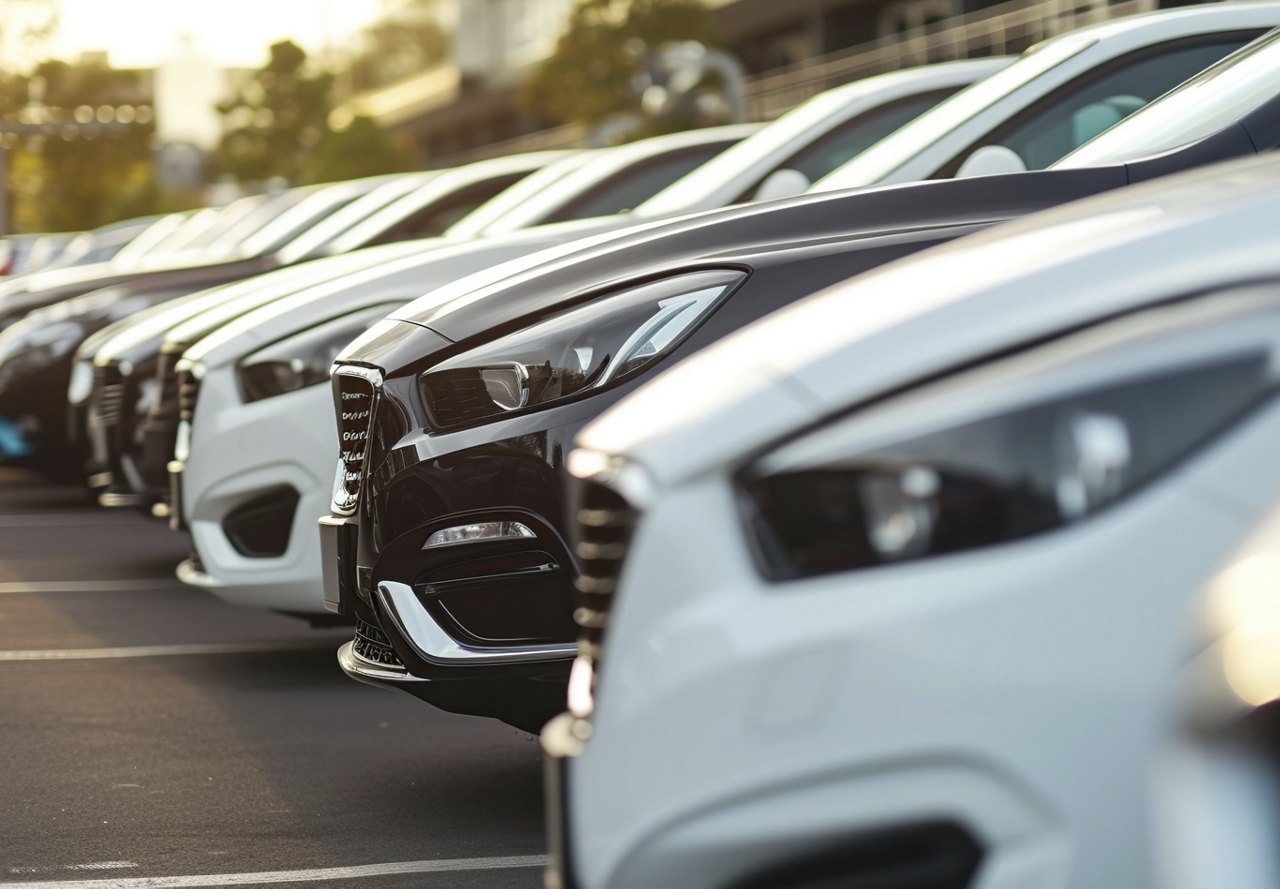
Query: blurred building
(187, 88)
(453, 98)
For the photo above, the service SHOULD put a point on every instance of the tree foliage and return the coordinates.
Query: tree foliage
(275, 118)
(74, 177)
(395, 50)
(362, 149)
(590, 75)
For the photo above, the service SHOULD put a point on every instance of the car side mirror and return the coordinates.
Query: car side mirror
(782, 183)
(990, 160)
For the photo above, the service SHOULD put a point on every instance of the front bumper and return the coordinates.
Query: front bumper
(254, 480)
(1021, 692)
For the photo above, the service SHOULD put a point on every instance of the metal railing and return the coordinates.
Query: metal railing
(1006, 28)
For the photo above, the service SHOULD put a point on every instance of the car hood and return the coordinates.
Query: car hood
(48, 288)
(734, 236)
(946, 308)
(197, 322)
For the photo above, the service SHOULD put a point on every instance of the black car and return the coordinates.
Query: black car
(44, 317)
(447, 539)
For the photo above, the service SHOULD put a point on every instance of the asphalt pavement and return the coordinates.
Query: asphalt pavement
(152, 736)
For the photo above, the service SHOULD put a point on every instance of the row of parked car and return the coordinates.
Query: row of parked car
(956, 572)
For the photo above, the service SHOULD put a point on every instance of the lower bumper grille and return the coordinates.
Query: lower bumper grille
(372, 645)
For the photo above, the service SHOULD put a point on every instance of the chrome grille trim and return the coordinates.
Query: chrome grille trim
(188, 392)
(107, 399)
(356, 392)
(605, 520)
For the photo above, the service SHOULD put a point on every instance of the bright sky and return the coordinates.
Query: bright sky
(139, 33)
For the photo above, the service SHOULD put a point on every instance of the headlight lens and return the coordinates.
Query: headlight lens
(303, 359)
(583, 349)
(1089, 419)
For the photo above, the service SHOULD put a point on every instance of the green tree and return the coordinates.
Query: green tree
(588, 78)
(275, 118)
(361, 149)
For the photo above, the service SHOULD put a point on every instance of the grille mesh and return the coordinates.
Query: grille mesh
(372, 645)
(188, 393)
(604, 524)
(356, 394)
(107, 400)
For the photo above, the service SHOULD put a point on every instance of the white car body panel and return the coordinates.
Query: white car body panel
(1022, 690)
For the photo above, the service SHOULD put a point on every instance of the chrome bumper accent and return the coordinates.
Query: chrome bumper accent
(189, 574)
(399, 604)
(370, 673)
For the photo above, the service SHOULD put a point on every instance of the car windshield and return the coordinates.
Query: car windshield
(542, 182)
(1201, 106)
(727, 165)
(327, 230)
(884, 157)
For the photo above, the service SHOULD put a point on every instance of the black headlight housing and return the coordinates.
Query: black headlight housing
(578, 351)
(1087, 420)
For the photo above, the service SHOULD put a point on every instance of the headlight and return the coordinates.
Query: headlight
(1077, 425)
(303, 359)
(577, 351)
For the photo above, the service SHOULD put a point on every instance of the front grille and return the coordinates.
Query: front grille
(355, 392)
(166, 404)
(605, 521)
(107, 401)
(188, 393)
(372, 645)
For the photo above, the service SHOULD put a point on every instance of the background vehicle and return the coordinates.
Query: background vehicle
(592, 181)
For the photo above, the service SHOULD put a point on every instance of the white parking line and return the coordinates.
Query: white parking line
(21, 587)
(93, 865)
(93, 654)
(314, 875)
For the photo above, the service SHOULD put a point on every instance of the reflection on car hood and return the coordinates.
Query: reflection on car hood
(556, 280)
(948, 307)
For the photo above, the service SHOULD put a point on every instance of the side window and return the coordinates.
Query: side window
(1065, 120)
(636, 184)
(854, 136)
(434, 218)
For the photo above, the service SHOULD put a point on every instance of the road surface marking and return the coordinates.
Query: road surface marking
(93, 865)
(314, 875)
(93, 654)
(20, 587)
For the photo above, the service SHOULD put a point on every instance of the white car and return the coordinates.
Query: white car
(1057, 96)
(896, 582)
(295, 439)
